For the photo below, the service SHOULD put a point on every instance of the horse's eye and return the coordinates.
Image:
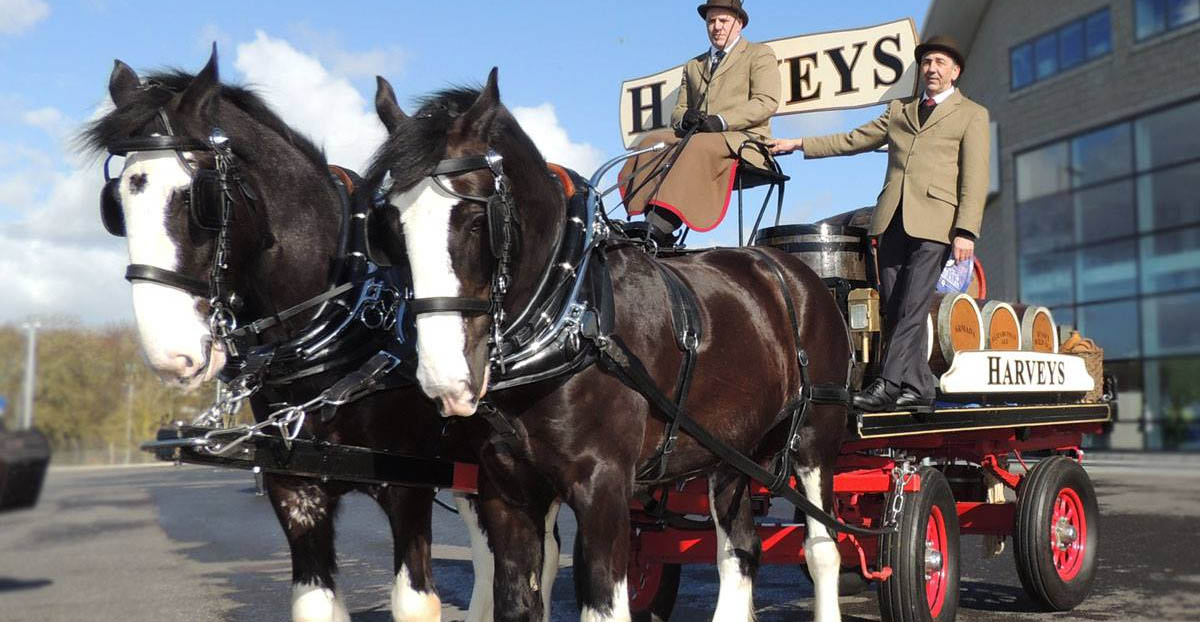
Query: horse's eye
(478, 223)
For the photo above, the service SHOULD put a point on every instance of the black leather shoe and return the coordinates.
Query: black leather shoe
(875, 398)
(910, 400)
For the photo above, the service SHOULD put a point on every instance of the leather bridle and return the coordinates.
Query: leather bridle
(209, 202)
(502, 237)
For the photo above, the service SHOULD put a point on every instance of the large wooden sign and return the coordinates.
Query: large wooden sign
(826, 71)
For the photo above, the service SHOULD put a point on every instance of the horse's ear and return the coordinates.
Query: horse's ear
(489, 98)
(385, 105)
(122, 83)
(199, 96)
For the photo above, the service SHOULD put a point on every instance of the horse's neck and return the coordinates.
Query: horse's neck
(540, 229)
(303, 213)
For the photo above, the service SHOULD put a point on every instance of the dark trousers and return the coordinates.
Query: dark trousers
(908, 271)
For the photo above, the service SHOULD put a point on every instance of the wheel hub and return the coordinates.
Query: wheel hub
(933, 559)
(1064, 534)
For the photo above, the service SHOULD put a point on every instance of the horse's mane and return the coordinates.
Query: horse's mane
(418, 147)
(126, 121)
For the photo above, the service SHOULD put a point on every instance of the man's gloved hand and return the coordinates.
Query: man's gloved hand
(691, 119)
(712, 123)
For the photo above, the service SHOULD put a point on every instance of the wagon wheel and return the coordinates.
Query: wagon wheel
(1057, 529)
(653, 586)
(923, 556)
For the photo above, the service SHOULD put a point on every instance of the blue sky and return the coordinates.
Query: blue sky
(561, 65)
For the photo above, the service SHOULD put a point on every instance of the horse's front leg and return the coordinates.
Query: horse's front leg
(601, 559)
(518, 557)
(739, 548)
(305, 509)
(820, 544)
(409, 510)
(483, 561)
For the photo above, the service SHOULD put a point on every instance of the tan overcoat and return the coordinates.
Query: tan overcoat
(744, 91)
(938, 171)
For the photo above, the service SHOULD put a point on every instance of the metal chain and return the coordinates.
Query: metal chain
(901, 475)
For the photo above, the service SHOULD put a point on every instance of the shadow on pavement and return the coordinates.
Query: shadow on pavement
(8, 584)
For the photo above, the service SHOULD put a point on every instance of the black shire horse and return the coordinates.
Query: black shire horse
(283, 247)
(584, 437)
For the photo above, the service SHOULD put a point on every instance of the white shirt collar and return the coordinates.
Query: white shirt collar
(712, 50)
(941, 97)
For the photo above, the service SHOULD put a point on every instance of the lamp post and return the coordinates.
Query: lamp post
(30, 373)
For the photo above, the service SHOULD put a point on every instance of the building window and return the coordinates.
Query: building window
(1111, 324)
(1101, 155)
(1154, 17)
(1044, 171)
(1071, 49)
(1063, 48)
(1108, 225)
(1171, 261)
(1160, 141)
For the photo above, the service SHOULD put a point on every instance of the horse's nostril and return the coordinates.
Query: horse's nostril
(184, 362)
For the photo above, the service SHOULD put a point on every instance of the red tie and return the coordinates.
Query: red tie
(929, 103)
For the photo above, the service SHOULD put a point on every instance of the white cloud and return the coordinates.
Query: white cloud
(46, 278)
(311, 99)
(18, 16)
(541, 123)
(387, 61)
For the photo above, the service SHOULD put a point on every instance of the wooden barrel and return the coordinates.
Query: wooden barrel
(831, 251)
(959, 327)
(1001, 326)
(1038, 331)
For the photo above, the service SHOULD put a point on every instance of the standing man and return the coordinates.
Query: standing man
(727, 97)
(930, 207)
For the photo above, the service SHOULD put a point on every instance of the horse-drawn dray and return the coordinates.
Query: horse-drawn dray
(515, 298)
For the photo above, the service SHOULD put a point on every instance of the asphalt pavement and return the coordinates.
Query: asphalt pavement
(163, 543)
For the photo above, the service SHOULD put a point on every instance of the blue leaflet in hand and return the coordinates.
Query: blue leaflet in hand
(956, 277)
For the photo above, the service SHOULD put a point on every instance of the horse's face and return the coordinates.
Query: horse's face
(449, 256)
(172, 324)
(447, 247)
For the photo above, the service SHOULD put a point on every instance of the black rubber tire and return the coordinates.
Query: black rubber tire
(664, 598)
(1038, 495)
(902, 597)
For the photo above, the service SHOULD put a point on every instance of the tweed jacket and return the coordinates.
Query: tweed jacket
(744, 91)
(938, 171)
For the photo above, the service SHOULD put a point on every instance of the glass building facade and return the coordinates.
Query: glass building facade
(1108, 237)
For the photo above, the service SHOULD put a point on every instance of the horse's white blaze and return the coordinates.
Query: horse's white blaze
(821, 553)
(173, 335)
(735, 600)
(620, 607)
(410, 605)
(483, 563)
(313, 603)
(549, 560)
(441, 337)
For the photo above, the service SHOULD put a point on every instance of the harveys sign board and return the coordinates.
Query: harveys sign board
(1008, 371)
(826, 71)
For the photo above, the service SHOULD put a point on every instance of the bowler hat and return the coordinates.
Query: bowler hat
(941, 43)
(729, 5)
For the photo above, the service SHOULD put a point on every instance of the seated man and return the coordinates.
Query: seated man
(727, 96)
